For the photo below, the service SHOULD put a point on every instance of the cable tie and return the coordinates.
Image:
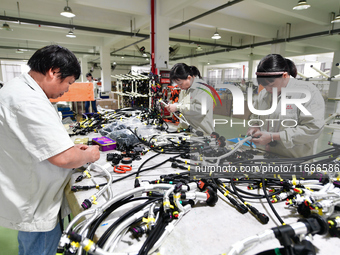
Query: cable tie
(88, 246)
(94, 200)
(87, 174)
(294, 179)
(75, 244)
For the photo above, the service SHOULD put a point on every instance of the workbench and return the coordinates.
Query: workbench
(204, 230)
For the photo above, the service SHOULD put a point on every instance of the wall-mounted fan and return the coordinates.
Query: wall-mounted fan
(141, 50)
(174, 49)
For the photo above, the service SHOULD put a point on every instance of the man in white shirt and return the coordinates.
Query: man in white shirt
(36, 152)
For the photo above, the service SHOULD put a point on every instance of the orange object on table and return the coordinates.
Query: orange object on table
(78, 92)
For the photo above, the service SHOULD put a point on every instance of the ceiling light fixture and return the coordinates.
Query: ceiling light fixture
(67, 11)
(301, 5)
(6, 27)
(199, 48)
(216, 35)
(337, 18)
(71, 34)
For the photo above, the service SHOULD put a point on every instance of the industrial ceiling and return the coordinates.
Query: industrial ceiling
(248, 28)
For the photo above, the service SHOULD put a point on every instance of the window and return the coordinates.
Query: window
(300, 68)
(214, 76)
(12, 69)
(233, 74)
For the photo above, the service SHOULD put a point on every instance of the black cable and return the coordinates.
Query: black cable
(251, 195)
(109, 231)
(273, 252)
(270, 203)
(260, 216)
(154, 234)
(60, 221)
(105, 214)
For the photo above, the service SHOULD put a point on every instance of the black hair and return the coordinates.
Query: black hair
(89, 75)
(276, 64)
(292, 68)
(55, 57)
(181, 71)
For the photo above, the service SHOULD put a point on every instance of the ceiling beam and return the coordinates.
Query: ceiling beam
(168, 8)
(270, 42)
(230, 23)
(228, 4)
(312, 15)
(69, 26)
(135, 7)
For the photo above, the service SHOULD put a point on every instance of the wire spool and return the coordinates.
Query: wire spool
(132, 154)
(126, 160)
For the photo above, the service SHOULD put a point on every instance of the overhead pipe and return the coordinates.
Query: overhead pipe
(118, 64)
(75, 52)
(35, 49)
(230, 3)
(253, 45)
(105, 31)
(69, 26)
(153, 68)
(201, 43)
(141, 40)
(227, 48)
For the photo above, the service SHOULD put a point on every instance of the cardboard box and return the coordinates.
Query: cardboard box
(108, 103)
(113, 95)
(81, 141)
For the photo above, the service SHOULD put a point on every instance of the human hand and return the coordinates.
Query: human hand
(81, 146)
(171, 107)
(262, 138)
(252, 131)
(93, 153)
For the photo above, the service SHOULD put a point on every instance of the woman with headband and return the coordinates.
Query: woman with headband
(292, 134)
(191, 98)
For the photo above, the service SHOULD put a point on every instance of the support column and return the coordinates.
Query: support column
(161, 38)
(279, 48)
(251, 69)
(106, 68)
(84, 68)
(1, 78)
(194, 62)
(334, 86)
